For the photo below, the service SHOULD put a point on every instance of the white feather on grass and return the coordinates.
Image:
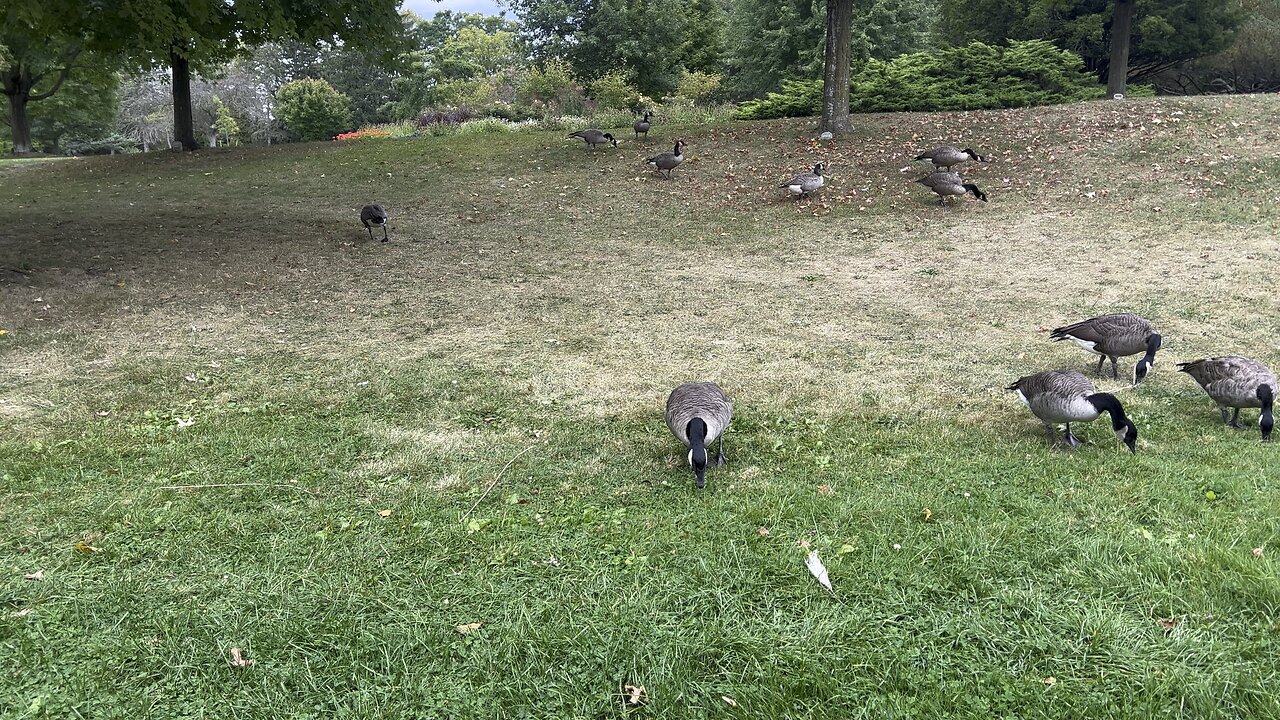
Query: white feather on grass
(818, 570)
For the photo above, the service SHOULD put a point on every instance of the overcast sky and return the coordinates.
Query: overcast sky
(428, 8)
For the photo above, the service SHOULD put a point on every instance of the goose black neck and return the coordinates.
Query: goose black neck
(1267, 421)
(1153, 344)
(697, 432)
(1106, 402)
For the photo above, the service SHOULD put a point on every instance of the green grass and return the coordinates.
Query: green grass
(494, 378)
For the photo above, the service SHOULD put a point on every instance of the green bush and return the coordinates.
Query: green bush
(698, 87)
(313, 110)
(611, 91)
(798, 98)
(973, 77)
(542, 85)
(109, 145)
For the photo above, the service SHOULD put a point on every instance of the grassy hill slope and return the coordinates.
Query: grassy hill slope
(230, 420)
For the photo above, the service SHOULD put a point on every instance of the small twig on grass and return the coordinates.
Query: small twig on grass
(494, 482)
(231, 485)
(16, 270)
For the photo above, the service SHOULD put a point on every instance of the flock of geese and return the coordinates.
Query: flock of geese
(699, 413)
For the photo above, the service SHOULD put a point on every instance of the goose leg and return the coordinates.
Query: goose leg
(1072, 440)
(1223, 411)
(366, 227)
(1053, 438)
(1235, 420)
(1101, 359)
(384, 233)
(720, 453)
(1114, 374)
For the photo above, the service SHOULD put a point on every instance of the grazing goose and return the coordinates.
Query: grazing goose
(642, 126)
(666, 162)
(698, 413)
(593, 137)
(374, 215)
(1236, 382)
(949, 184)
(1066, 396)
(1113, 336)
(806, 183)
(947, 156)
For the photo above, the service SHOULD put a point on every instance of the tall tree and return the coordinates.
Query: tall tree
(1166, 32)
(1121, 32)
(773, 40)
(41, 44)
(835, 75)
(703, 46)
(188, 35)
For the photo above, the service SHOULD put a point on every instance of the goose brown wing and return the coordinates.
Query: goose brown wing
(702, 400)
(1062, 383)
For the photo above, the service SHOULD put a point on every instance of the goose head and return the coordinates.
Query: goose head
(609, 137)
(1144, 365)
(819, 168)
(974, 155)
(976, 192)
(698, 463)
(1126, 432)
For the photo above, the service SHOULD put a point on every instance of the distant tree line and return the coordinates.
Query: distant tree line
(119, 75)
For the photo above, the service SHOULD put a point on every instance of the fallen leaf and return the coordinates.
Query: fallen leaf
(846, 549)
(729, 701)
(185, 422)
(1050, 681)
(84, 547)
(469, 627)
(635, 694)
(385, 513)
(762, 531)
(20, 613)
(239, 661)
(824, 489)
(818, 570)
(1168, 623)
(803, 543)
(37, 575)
(927, 515)
(1257, 552)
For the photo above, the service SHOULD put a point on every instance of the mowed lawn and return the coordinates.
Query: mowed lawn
(430, 478)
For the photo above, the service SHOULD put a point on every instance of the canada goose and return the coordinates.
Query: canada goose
(806, 183)
(374, 215)
(1113, 336)
(947, 156)
(1066, 396)
(1236, 382)
(666, 162)
(593, 137)
(642, 126)
(698, 413)
(949, 184)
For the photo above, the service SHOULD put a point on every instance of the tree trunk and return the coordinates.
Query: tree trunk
(182, 125)
(835, 76)
(1121, 32)
(19, 123)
